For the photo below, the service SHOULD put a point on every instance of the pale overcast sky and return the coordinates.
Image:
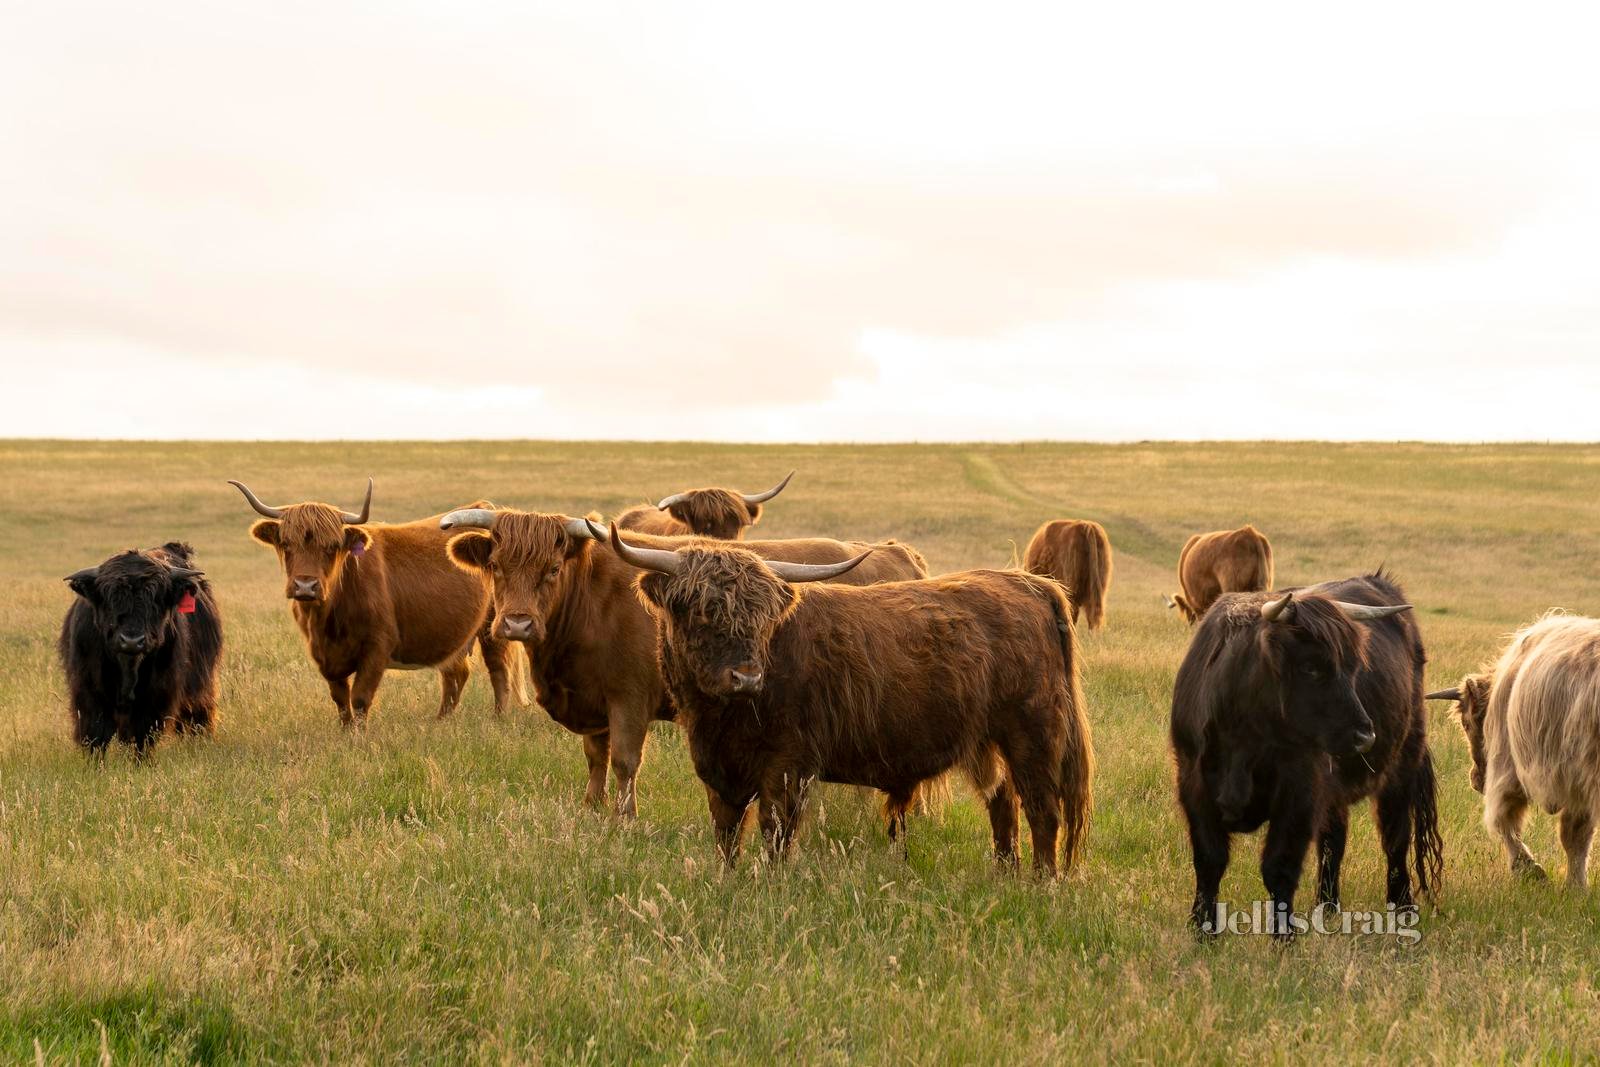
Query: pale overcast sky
(754, 221)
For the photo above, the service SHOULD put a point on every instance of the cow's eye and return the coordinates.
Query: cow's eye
(1314, 673)
(554, 571)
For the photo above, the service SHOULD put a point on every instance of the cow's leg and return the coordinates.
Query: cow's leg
(1005, 823)
(782, 803)
(1505, 808)
(1394, 826)
(1209, 845)
(896, 803)
(628, 732)
(1577, 830)
(596, 749)
(1283, 857)
(1041, 803)
(497, 659)
(727, 823)
(1330, 853)
(339, 689)
(369, 675)
(452, 680)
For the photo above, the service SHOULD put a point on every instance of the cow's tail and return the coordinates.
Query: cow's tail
(1264, 559)
(1094, 575)
(1426, 843)
(1077, 757)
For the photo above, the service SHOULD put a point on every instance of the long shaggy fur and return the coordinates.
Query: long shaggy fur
(1076, 553)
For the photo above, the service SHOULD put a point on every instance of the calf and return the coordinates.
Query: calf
(140, 647)
(1533, 724)
(1287, 709)
(883, 686)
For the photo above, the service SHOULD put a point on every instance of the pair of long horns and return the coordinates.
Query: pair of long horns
(483, 519)
(1446, 694)
(1274, 609)
(277, 513)
(667, 561)
(749, 498)
(89, 574)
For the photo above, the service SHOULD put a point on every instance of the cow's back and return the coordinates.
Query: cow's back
(437, 607)
(649, 520)
(1547, 694)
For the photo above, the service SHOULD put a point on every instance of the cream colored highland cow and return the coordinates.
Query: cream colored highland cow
(1533, 724)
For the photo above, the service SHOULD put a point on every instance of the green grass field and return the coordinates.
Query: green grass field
(436, 890)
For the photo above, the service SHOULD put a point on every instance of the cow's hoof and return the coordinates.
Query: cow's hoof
(1531, 871)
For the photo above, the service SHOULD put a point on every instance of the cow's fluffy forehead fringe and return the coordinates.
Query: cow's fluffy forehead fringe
(1318, 619)
(524, 538)
(324, 524)
(712, 509)
(733, 587)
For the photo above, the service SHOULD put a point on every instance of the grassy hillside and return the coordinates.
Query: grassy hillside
(436, 890)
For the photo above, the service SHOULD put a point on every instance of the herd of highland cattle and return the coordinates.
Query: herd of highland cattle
(788, 662)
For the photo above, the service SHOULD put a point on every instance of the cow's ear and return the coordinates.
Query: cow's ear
(356, 540)
(82, 583)
(470, 551)
(653, 588)
(755, 513)
(266, 531)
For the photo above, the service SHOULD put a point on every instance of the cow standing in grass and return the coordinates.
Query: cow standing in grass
(591, 644)
(1288, 708)
(1076, 553)
(369, 599)
(1225, 561)
(719, 513)
(883, 686)
(140, 647)
(1533, 725)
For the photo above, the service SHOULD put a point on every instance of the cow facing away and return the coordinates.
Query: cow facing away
(719, 513)
(1533, 725)
(368, 599)
(1226, 561)
(884, 686)
(591, 644)
(140, 647)
(1076, 553)
(1288, 708)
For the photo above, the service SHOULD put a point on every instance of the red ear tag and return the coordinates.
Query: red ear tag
(186, 605)
(359, 548)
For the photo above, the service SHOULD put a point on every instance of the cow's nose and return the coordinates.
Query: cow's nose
(517, 627)
(305, 588)
(747, 680)
(1363, 740)
(127, 642)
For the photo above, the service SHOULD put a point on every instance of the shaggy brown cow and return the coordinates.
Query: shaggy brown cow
(719, 513)
(1076, 553)
(1533, 724)
(373, 598)
(1287, 709)
(1226, 561)
(140, 646)
(885, 686)
(590, 643)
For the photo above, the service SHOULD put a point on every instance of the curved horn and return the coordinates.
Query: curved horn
(1367, 613)
(814, 572)
(366, 509)
(88, 574)
(585, 530)
(650, 559)
(475, 518)
(1445, 694)
(762, 498)
(1274, 609)
(255, 501)
(667, 501)
(186, 572)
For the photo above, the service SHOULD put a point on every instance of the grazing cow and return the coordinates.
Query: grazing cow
(1076, 553)
(369, 599)
(884, 686)
(1533, 725)
(719, 513)
(591, 644)
(1288, 708)
(1226, 561)
(140, 646)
